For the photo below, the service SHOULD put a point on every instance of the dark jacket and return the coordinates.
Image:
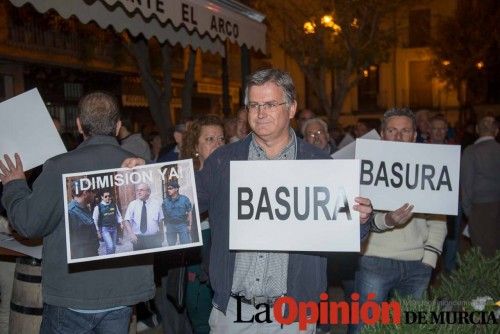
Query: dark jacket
(82, 231)
(306, 271)
(40, 213)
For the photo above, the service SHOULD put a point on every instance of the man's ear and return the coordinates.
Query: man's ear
(79, 126)
(292, 110)
(118, 126)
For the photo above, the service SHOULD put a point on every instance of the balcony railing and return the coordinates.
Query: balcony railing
(85, 45)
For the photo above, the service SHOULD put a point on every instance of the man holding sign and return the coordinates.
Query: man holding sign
(401, 253)
(98, 296)
(244, 281)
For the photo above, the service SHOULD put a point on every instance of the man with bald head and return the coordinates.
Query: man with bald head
(480, 186)
(144, 219)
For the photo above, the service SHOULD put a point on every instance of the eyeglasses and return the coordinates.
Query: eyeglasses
(212, 140)
(266, 106)
(170, 188)
(403, 132)
(315, 134)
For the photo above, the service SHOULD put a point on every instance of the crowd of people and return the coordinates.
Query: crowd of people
(400, 249)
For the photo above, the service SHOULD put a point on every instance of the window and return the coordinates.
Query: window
(368, 89)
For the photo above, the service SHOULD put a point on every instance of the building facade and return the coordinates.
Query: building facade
(65, 59)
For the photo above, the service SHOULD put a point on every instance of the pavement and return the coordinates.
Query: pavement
(126, 246)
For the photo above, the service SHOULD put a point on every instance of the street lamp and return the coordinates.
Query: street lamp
(309, 28)
(327, 21)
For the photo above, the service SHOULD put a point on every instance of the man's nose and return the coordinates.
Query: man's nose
(261, 113)
(399, 136)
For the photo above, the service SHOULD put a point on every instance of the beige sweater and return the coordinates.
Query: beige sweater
(421, 239)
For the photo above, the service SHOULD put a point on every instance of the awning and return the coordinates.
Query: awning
(196, 23)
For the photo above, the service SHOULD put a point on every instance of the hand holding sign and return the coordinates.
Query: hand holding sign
(364, 207)
(9, 172)
(133, 162)
(400, 216)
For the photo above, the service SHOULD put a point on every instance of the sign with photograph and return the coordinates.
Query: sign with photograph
(294, 205)
(120, 212)
(423, 175)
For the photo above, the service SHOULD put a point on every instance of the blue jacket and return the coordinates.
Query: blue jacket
(306, 271)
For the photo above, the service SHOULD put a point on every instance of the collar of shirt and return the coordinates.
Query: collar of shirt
(98, 140)
(147, 201)
(256, 152)
(484, 138)
(173, 199)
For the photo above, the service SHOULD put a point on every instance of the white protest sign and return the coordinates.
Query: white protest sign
(424, 175)
(26, 128)
(298, 205)
(348, 139)
(29, 247)
(349, 151)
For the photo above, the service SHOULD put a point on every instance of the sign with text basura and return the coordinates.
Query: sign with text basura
(424, 175)
(298, 205)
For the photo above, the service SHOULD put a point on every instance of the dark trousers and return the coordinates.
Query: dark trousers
(148, 241)
(484, 223)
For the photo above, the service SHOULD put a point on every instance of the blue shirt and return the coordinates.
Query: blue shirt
(78, 214)
(176, 210)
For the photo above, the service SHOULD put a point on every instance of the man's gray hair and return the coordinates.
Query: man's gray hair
(279, 78)
(98, 113)
(406, 112)
(311, 121)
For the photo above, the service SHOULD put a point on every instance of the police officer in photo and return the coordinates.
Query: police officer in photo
(107, 218)
(177, 212)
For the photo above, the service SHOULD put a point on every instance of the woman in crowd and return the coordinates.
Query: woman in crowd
(204, 136)
(155, 145)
